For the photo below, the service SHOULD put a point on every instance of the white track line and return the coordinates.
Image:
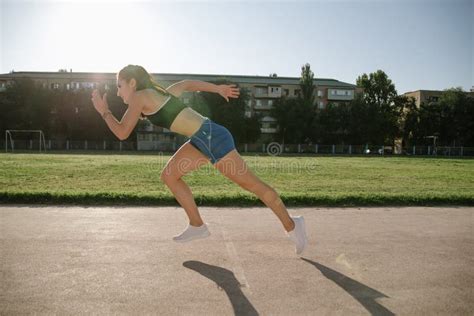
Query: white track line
(234, 258)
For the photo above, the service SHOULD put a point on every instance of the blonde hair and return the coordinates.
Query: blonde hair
(142, 77)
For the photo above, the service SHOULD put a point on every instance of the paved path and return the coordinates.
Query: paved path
(361, 261)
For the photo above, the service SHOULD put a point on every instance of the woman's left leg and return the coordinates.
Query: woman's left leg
(234, 167)
(185, 160)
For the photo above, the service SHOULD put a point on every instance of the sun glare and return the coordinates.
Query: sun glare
(100, 36)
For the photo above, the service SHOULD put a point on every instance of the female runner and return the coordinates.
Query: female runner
(208, 142)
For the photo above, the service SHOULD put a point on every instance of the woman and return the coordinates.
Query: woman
(209, 142)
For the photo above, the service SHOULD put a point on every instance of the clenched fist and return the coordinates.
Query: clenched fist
(100, 103)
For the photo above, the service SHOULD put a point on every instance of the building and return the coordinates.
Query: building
(424, 96)
(428, 96)
(264, 91)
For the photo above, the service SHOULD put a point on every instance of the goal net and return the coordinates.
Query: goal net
(25, 143)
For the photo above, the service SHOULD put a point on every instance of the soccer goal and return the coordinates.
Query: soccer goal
(9, 137)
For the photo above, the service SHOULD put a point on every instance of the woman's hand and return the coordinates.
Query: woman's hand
(228, 91)
(100, 104)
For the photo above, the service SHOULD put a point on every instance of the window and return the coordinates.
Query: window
(258, 102)
(321, 105)
(260, 90)
(297, 91)
(287, 92)
(270, 102)
(145, 137)
(341, 92)
(185, 100)
(320, 93)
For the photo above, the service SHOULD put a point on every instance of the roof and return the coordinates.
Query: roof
(421, 91)
(255, 80)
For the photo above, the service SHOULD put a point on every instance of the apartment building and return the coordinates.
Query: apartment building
(264, 91)
(424, 96)
(428, 96)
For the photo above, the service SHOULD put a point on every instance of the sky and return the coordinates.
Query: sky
(420, 44)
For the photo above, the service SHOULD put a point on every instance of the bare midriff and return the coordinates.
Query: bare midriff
(186, 123)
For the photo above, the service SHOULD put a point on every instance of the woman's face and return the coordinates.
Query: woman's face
(126, 89)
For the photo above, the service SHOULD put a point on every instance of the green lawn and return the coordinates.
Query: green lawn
(135, 179)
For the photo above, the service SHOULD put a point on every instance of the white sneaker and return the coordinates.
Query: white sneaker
(192, 233)
(298, 235)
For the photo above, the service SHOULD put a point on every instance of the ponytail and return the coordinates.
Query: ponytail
(157, 87)
(143, 78)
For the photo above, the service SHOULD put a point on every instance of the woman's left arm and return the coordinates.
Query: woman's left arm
(121, 129)
(226, 91)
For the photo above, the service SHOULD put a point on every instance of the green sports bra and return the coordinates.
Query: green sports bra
(165, 116)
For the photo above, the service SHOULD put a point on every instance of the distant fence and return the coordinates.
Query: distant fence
(273, 148)
(33, 144)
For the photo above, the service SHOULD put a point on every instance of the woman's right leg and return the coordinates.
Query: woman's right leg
(186, 159)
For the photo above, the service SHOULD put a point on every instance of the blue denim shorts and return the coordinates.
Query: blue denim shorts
(213, 140)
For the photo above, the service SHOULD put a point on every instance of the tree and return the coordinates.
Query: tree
(229, 114)
(24, 105)
(409, 124)
(307, 86)
(289, 114)
(333, 123)
(295, 116)
(383, 107)
(451, 119)
(306, 99)
(252, 130)
(458, 117)
(378, 89)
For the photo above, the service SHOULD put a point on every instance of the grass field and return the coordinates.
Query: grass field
(135, 179)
